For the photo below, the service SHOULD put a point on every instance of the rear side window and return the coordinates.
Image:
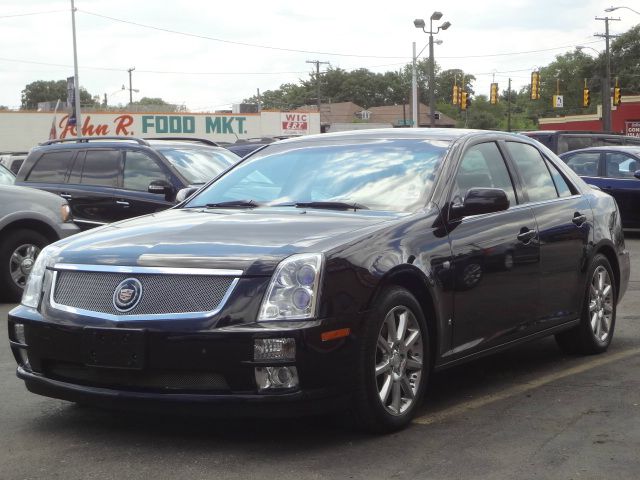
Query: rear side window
(534, 172)
(561, 184)
(101, 167)
(585, 164)
(51, 167)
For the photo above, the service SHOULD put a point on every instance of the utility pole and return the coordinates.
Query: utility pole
(259, 101)
(509, 107)
(606, 87)
(130, 85)
(317, 64)
(76, 81)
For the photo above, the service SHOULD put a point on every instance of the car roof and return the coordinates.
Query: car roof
(446, 134)
(635, 149)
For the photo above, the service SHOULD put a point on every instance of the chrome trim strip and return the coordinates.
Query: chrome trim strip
(90, 222)
(153, 316)
(219, 272)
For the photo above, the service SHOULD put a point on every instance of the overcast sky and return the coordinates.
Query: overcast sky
(206, 74)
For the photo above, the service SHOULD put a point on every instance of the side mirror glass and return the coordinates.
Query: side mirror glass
(481, 200)
(185, 193)
(161, 187)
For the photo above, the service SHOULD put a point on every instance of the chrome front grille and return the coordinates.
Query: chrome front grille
(164, 293)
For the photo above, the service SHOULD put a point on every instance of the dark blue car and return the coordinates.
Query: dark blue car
(615, 170)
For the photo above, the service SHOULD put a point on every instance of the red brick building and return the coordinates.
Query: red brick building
(625, 118)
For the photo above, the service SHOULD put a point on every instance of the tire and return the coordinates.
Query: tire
(598, 319)
(18, 250)
(391, 376)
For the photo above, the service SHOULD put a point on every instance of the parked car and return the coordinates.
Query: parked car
(561, 141)
(322, 273)
(242, 147)
(615, 170)
(29, 220)
(12, 160)
(106, 179)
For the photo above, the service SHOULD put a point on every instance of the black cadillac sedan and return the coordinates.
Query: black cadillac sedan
(324, 272)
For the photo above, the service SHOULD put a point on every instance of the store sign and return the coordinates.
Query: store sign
(295, 123)
(632, 128)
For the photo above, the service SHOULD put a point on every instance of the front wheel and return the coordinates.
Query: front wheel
(598, 320)
(393, 363)
(18, 253)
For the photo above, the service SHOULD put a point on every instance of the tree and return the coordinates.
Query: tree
(625, 52)
(50, 91)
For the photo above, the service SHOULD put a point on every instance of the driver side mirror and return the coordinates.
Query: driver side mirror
(481, 200)
(161, 187)
(637, 174)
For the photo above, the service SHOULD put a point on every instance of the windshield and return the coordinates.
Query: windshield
(394, 175)
(199, 164)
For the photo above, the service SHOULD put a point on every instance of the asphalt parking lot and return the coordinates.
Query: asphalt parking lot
(530, 413)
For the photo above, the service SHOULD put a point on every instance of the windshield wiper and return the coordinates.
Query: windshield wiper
(234, 204)
(328, 205)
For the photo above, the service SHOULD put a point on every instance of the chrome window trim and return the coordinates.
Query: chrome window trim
(125, 317)
(137, 269)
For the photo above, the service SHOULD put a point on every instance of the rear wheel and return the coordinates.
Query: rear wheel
(393, 364)
(18, 252)
(597, 323)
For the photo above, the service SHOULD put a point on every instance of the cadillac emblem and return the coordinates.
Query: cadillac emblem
(127, 295)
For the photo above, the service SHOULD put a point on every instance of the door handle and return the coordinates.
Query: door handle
(527, 235)
(579, 219)
(66, 196)
(122, 202)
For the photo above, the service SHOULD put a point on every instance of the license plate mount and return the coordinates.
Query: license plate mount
(114, 348)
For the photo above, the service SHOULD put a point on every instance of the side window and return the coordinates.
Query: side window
(51, 167)
(483, 166)
(619, 165)
(585, 164)
(561, 184)
(101, 167)
(140, 170)
(533, 171)
(5, 177)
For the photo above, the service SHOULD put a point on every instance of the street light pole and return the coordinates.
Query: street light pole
(76, 81)
(611, 9)
(414, 90)
(420, 23)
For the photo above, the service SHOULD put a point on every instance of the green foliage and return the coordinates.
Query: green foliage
(50, 91)
(625, 63)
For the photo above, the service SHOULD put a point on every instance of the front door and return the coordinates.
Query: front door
(495, 258)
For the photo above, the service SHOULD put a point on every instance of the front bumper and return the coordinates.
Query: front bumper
(210, 372)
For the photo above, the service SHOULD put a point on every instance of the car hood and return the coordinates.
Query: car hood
(251, 240)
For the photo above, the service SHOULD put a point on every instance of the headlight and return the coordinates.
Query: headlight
(33, 288)
(293, 291)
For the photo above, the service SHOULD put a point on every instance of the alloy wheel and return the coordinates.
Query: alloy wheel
(601, 303)
(21, 262)
(399, 360)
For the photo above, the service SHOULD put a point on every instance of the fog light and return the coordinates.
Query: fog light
(274, 378)
(274, 349)
(18, 333)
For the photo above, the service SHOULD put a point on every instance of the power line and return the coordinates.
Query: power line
(283, 49)
(30, 14)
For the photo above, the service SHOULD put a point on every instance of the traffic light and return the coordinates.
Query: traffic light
(493, 97)
(464, 100)
(535, 85)
(617, 96)
(455, 95)
(586, 97)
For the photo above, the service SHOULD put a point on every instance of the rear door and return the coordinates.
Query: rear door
(565, 221)
(50, 171)
(92, 187)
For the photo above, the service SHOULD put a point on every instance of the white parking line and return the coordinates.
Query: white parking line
(461, 408)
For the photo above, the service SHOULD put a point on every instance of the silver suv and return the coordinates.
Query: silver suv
(30, 219)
